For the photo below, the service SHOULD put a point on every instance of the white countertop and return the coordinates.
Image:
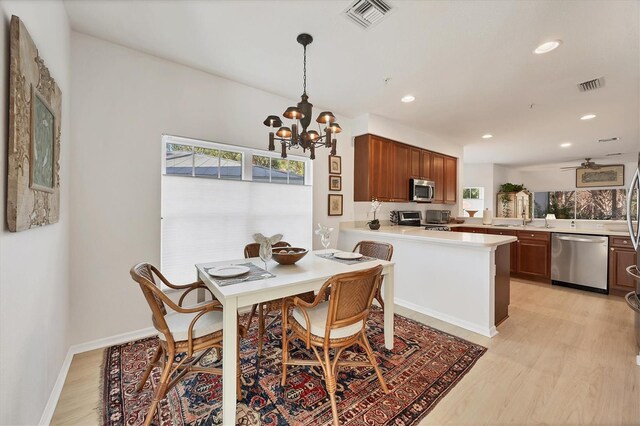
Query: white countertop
(438, 237)
(529, 227)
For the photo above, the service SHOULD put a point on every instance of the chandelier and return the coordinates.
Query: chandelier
(297, 136)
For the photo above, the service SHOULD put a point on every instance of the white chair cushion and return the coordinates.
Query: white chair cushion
(318, 320)
(179, 324)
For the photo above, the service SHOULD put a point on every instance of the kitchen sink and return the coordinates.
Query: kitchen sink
(527, 226)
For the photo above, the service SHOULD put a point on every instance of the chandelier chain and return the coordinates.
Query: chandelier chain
(304, 81)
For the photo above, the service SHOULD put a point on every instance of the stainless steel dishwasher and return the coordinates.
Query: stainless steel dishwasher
(580, 261)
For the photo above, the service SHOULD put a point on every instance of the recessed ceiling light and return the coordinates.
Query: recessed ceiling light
(487, 136)
(408, 98)
(588, 117)
(547, 47)
(565, 145)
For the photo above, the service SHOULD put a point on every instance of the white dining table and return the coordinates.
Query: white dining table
(307, 274)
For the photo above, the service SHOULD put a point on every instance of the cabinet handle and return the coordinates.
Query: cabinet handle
(611, 249)
(625, 242)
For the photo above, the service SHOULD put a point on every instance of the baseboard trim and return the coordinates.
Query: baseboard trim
(52, 402)
(485, 331)
(113, 340)
(50, 408)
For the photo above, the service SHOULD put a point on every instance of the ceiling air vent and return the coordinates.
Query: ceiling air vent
(367, 13)
(589, 85)
(609, 140)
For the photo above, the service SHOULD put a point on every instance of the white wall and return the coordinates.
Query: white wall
(374, 124)
(34, 264)
(481, 175)
(124, 100)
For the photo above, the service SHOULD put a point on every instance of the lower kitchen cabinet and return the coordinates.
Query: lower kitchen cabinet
(471, 229)
(513, 246)
(534, 254)
(621, 255)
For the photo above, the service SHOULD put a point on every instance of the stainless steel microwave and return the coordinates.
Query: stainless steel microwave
(421, 190)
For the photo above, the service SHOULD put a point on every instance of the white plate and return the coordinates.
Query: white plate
(347, 255)
(228, 271)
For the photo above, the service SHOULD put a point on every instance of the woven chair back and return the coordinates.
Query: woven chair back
(253, 249)
(143, 274)
(350, 297)
(377, 249)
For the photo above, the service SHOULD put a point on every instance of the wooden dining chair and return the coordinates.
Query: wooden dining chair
(253, 250)
(379, 250)
(186, 334)
(336, 323)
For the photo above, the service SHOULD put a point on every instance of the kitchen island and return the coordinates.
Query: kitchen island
(460, 278)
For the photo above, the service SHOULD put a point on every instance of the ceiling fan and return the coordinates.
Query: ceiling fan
(586, 164)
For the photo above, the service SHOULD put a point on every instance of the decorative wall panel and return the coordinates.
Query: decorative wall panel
(35, 102)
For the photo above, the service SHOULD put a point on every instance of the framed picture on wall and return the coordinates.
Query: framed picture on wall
(335, 183)
(335, 204)
(604, 176)
(335, 164)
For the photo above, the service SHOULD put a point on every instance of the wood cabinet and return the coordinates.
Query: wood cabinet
(372, 169)
(400, 175)
(382, 169)
(450, 183)
(513, 247)
(621, 255)
(471, 229)
(534, 254)
(437, 175)
(416, 159)
(425, 164)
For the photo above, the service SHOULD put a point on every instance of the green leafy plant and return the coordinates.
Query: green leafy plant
(511, 187)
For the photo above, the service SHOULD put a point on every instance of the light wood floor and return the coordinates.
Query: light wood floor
(563, 357)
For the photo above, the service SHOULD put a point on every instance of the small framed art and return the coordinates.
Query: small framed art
(335, 164)
(335, 183)
(604, 176)
(335, 204)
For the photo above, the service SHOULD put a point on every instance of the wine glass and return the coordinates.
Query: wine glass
(325, 240)
(265, 253)
(325, 235)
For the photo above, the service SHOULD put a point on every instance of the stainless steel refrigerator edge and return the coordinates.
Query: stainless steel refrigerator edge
(633, 298)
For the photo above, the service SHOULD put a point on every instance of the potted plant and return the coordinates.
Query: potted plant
(505, 191)
(375, 207)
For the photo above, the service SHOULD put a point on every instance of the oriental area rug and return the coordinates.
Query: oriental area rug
(424, 365)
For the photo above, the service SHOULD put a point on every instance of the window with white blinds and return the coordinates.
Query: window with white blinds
(212, 218)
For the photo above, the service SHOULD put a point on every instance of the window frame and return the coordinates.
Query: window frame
(246, 159)
(575, 201)
(480, 192)
(276, 157)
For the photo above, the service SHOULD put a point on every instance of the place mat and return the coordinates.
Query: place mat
(331, 256)
(255, 273)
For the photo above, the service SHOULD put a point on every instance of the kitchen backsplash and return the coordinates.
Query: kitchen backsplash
(361, 209)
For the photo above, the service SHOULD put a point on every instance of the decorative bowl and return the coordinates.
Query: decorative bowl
(288, 255)
(471, 213)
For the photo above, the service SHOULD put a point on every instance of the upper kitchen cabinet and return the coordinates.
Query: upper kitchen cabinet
(382, 169)
(373, 169)
(437, 176)
(401, 168)
(450, 180)
(444, 172)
